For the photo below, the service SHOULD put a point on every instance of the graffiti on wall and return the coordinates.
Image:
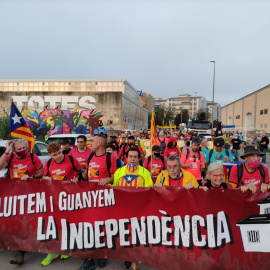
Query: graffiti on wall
(59, 121)
(71, 115)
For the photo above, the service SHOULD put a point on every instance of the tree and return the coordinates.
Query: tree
(4, 127)
(169, 116)
(203, 114)
(185, 117)
(159, 116)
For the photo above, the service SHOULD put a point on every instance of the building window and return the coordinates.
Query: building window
(261, 126)
(265, 126)
(265, 111)
(237, 116)
(261, 112)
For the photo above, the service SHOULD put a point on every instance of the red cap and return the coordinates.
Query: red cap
(172, 139)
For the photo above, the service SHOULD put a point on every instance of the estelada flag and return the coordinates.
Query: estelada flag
(124, 123)
(18, 127)
(153, 136)
(140, 121)
(142, 98)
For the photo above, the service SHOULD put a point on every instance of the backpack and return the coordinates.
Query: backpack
(240, 173)
(118, 163)
(212, 150)
(108, 161)
(162, 144)
(71, 160)
(7, 174)
(149, 159)
(187, 156)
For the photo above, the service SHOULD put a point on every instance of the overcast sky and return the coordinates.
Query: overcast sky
(162, 47)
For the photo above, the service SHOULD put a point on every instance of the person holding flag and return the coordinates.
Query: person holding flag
(21, 164)
(142, 98)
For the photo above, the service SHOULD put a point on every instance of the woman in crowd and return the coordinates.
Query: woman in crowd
(172, 149)
(215, 175)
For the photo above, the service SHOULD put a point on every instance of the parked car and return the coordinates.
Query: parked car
(208, 136)
(72, 138)
(40, 149)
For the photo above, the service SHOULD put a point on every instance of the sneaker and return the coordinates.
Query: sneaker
(49, 259)
(102, 262)
(88, 264)
(18, 258)
(128, 265)
(64, 257)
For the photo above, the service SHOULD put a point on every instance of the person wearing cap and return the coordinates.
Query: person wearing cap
(172, 148)
(175, 175)
(65, 146)
(218, 153)
(132, 175)
(186, 145)
(251, 174)
(193, 160)
(156, 163)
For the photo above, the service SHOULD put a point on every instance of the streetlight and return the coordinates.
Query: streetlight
(213, 94)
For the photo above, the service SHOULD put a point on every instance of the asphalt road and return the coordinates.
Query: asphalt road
(33, 260)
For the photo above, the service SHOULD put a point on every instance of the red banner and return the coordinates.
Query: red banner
(166, 228)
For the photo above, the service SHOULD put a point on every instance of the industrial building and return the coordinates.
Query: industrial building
(249, 113)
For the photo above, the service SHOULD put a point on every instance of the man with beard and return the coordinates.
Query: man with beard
(193, 161)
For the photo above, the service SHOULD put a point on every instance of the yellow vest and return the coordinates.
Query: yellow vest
(187, 178)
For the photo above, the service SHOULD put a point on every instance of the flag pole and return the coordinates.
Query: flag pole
(11, 101)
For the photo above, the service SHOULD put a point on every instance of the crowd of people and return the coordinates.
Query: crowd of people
(122, 161)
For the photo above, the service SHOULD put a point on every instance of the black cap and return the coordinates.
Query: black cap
(196, 140)
(219, 141)
(156, 148)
